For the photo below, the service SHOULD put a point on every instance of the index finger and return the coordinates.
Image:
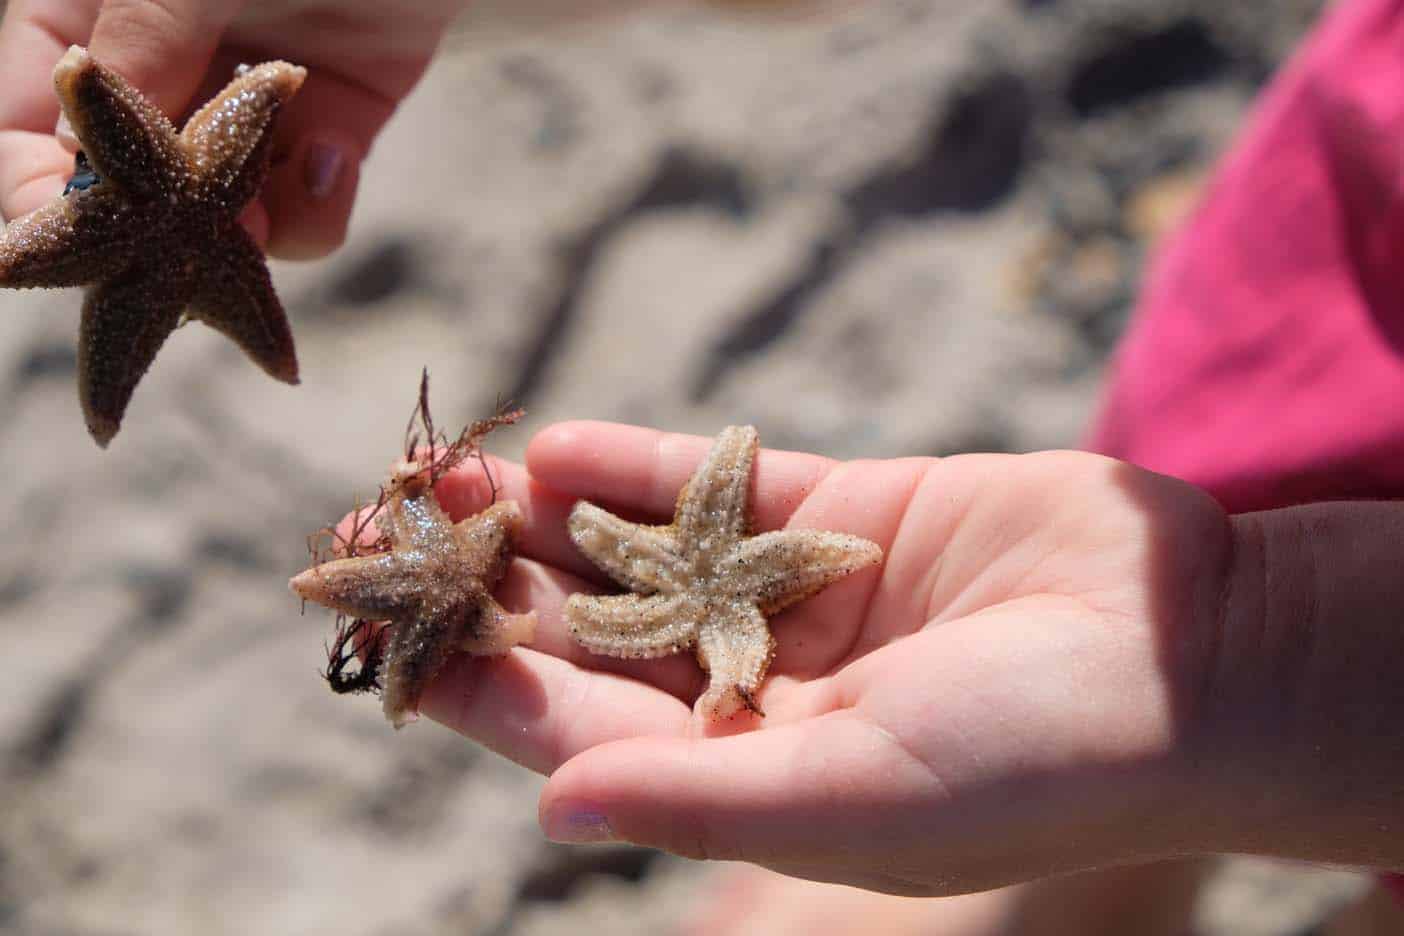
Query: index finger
(643, 470)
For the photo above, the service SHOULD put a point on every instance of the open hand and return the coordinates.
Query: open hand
(1006, 697)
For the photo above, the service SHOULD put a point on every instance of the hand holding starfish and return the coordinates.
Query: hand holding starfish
(1042, 676)
(172, 49)
(149, 225)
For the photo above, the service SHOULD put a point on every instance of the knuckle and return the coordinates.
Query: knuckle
(146, 22)
(697, 839)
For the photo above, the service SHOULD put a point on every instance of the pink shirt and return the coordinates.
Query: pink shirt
(1266, 361)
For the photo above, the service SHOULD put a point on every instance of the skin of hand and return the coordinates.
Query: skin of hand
(1065, 662)
(181, 52)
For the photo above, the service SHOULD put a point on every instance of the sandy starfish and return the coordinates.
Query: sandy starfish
(702, 582)
(149, 223)
(434, 587)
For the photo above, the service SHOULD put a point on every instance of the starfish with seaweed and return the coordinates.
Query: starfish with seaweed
(429, 578)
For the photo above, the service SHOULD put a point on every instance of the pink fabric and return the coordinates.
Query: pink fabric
(1266, 361)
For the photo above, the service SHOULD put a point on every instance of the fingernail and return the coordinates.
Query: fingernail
(579, 828)
(322, 168)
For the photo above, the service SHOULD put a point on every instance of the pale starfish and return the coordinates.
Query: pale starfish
(150, 224)
(702, 583)
(434, 587)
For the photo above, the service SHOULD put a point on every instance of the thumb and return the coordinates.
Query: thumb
(162, 47)
(818, 793)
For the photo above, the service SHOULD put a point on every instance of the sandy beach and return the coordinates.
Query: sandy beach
(904, 227)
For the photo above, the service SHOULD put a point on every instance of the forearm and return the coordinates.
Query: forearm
(1303, 690)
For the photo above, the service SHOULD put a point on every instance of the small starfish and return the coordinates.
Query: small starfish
(150, 223)
(702, 583)
(434, 587)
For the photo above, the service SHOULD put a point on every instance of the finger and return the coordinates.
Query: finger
(162, 47)
(33, 36)
(551, 570)
(645, 469)
(358, 71)
(530, 586)
(322, 138)
(466, 490)
(33, 169)
(808, 793)
(539, 710)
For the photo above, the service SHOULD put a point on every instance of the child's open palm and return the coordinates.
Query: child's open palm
(997, 701)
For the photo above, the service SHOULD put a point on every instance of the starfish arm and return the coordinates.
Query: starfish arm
(130, 143)
(782, 567)
(486, 540)
(498, 630)
(236, 298)
(639, 557)
(414, 654)
(735, 647)
(716, 497)
(125, 322)
(631, 626)
(229, 142)
(415, 522)
(376, 588)
(68, 242)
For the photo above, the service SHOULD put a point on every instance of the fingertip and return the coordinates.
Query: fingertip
(310, 197)
(556, 444)
(637, 790)
(569, 822)
(582, 783)
(756, 796)
(325, 132)
(593, 458)
(323, 167)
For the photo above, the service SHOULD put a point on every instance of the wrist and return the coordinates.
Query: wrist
(1295, 740)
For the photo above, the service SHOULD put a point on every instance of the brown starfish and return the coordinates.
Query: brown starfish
(702, 582)
(150, 224)
(434, 586)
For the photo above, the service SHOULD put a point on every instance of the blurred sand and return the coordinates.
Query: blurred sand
(902, 227)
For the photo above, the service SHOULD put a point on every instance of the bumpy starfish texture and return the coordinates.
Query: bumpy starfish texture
(701, 582)
(434, 587)
(150, 224)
